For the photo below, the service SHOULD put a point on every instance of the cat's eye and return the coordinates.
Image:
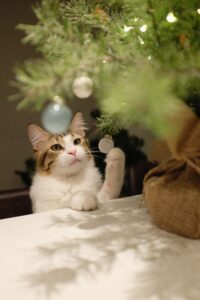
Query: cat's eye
(56, 147)
(77, 141)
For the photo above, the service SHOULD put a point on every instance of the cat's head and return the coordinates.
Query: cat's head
(62, 154)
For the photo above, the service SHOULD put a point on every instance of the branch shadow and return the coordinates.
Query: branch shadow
(101, 236)
(175, 275)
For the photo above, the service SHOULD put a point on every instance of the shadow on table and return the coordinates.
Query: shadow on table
(100, 237)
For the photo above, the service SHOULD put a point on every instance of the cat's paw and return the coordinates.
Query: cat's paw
(114, 175)
(115, 162)
(84, 201)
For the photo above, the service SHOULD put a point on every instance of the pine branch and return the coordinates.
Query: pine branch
(139, 61)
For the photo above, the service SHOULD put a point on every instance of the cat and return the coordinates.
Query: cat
(66, 175)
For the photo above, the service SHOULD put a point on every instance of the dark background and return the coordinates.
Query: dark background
(14, 145)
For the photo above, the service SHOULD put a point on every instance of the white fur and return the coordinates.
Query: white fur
(114, 176)
(51, 192)
(76, 182)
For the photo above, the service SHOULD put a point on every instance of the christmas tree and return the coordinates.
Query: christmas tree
(134, 57)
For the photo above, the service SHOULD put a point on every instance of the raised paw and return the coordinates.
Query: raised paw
(84, 201)
(114, 175)
(115, 161)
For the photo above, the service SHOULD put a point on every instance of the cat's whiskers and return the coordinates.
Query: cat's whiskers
(94, 149)
(98, 156)
(95, 152)
(94, 155)
(91, 152)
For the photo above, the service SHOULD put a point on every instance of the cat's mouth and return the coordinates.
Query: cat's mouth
(74, 161)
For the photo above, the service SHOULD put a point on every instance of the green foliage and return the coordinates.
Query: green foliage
(139, 61)
(147, 101)
(108, 124)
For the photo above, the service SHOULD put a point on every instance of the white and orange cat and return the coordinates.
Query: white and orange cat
(66, 175)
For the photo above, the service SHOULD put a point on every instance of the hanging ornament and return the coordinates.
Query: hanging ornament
(56, 117)
(106, 144)
(83, 87)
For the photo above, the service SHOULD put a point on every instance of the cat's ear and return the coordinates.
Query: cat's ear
(78, 124)
(37, 136)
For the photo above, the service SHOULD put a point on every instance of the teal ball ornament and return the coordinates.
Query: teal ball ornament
(56, 118)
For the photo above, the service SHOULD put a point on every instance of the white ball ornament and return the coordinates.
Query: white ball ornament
(83, 87)
(106, 144)
(56, 118)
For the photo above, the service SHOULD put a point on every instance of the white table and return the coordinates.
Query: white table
(114, 253)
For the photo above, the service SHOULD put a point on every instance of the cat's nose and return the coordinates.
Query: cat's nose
(72, 152)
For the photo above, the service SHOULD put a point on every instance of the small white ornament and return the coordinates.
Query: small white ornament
(83, 87)
(106, 144)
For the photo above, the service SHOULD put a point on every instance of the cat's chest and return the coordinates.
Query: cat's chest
(68, 186)
(74, 184)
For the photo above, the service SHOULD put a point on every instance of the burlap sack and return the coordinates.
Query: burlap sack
(172, 189)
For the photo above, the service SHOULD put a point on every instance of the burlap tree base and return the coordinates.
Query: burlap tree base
(172, 189)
